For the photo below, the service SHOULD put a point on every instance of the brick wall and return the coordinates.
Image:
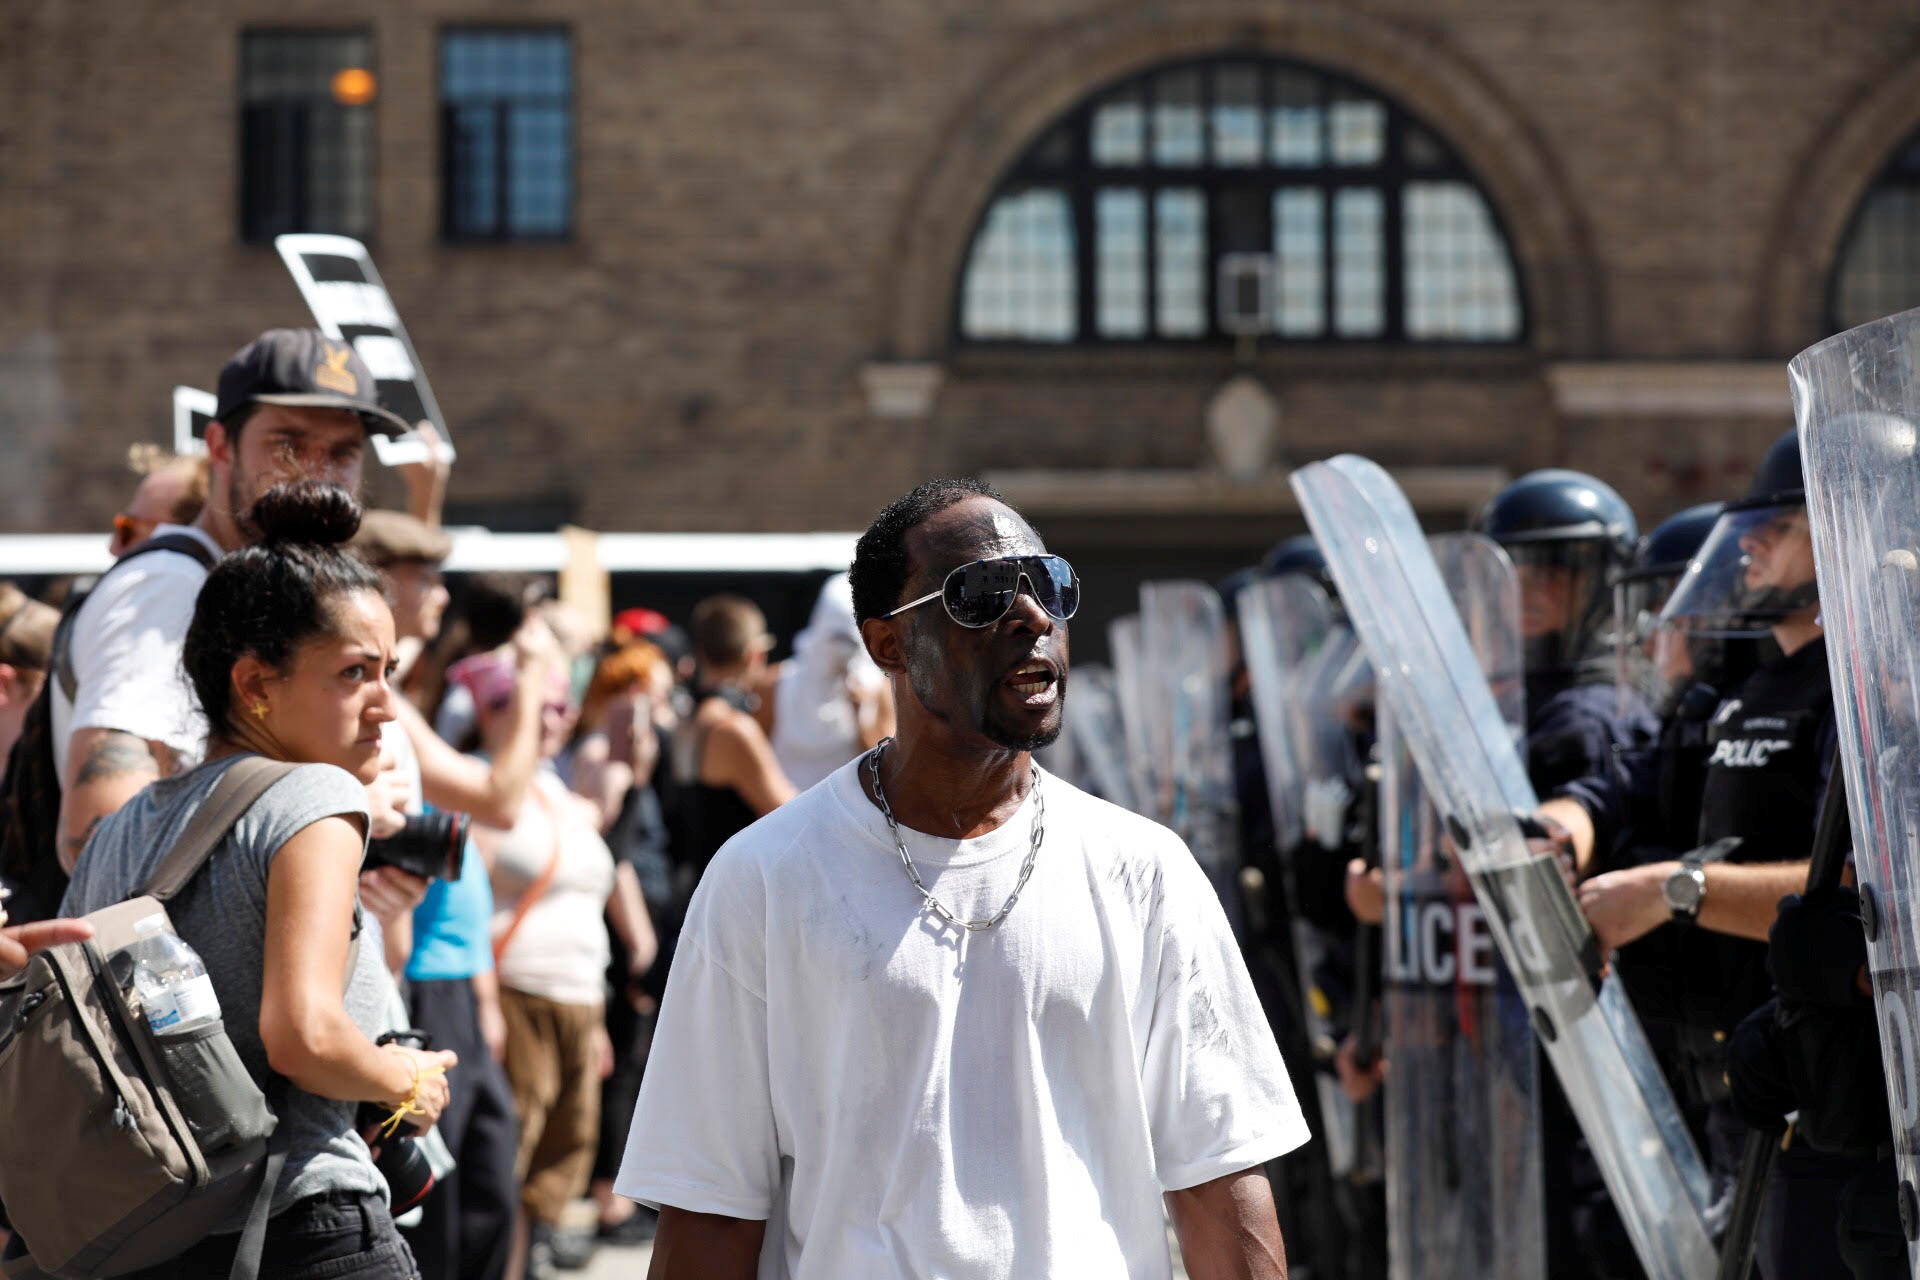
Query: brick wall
(772, 195)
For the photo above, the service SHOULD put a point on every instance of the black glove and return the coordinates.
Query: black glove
(1816, 949)
(1822, 1062)
(1761, 1087)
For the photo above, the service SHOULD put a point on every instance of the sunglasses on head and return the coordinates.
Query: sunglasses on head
(981, 592)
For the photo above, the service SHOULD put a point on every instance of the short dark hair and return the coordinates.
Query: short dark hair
(881, 565)
(726, 629)
(270, 598)
(497, 604)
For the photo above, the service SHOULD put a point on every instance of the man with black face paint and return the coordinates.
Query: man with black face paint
(943, 1014)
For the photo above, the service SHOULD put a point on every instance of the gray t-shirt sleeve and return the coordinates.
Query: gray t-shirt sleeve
(305, 796)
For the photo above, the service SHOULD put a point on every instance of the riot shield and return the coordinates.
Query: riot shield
(1130, 688)
(1462, 1115)
(1856, 397)
(1095, 735)
(1188, 716)
(1284, 622)
(1429, 675)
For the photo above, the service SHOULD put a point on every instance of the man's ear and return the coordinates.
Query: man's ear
(10, 682)
(222, 450)
(883, 645)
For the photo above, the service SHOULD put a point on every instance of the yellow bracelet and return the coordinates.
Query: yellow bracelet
(411, 1106)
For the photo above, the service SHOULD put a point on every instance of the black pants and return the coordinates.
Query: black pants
(467, 1223)
(1800, 1223)
(1871, 1238)
(343, 1236)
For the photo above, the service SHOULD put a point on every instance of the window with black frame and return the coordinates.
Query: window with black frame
(506, 101)
(1114, 225)
(1878, 271)
(306, 133)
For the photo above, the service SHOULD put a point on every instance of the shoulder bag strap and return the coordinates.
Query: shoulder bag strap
(243, 783)
(538, 889)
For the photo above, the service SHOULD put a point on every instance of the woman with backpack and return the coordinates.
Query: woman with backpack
(289, 654)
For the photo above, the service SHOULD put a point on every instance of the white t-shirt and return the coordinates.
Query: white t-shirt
(126, 655)
(900, 1099)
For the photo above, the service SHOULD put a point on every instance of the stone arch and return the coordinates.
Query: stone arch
(1549, 241)
(1828, 184)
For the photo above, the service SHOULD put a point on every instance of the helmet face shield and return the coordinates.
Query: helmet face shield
(1566, 610)
(1754, 571)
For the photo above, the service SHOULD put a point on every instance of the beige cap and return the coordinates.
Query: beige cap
(391, 537)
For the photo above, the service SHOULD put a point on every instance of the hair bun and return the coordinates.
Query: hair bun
(306, 512)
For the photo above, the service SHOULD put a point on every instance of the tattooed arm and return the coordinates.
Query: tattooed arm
(105, 767)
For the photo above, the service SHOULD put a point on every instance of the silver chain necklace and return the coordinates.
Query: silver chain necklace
(906, 859)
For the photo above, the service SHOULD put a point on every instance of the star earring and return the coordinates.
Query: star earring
(259, 710)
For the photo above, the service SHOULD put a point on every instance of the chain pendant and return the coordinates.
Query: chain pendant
(913, 873)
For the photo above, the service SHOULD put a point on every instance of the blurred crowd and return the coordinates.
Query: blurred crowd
(601, 761)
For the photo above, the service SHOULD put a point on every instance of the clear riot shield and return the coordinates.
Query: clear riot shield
(1462, 1108)
(1130, 687)
(1429, 675)
(1856, 397)
(1284, 622)
(1095, 735)
(1188, 708)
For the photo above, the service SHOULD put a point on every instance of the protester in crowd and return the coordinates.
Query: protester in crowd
(292, 404)
(496, 605)
(724, 766)
(619, 766)
(26, 647)
(615, 741)
(552, 878)
(580, 639)
(828, 701)
(288, 651)
(1019, 1093)
(444, 948)
(172, 490)
(408, 553)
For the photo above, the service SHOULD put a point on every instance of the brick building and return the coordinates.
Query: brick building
(760, 266)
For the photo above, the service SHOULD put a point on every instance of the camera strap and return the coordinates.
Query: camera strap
(538, 889)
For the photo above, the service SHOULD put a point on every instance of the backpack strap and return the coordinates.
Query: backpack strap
(253, 1236)
(184, 544)
(243, 783)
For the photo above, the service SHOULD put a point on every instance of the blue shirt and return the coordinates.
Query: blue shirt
(453, 925)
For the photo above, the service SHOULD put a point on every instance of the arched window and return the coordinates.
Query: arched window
(1878, 271)
(1119, 222)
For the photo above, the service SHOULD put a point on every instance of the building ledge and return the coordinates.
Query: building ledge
(1116, 493)
(1750, 388)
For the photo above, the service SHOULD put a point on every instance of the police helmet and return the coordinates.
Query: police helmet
(1557, 505)
(1299, 554)
(1777, 482)
(1673, 542)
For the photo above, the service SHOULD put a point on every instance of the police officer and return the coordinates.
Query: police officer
(1770, 742)
(1570, 536)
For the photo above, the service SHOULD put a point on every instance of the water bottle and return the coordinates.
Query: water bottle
(174, 990)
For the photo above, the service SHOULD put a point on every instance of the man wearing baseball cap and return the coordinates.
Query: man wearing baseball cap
(294, 404)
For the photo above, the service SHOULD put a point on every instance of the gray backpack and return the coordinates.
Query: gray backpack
(120, 1147)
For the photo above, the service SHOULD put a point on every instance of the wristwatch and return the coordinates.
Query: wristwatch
(1685, 889)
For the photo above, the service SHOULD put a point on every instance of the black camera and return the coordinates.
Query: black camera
(409, 1174)
(429, 846)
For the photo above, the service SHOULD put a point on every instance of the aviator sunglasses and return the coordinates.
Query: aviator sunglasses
(981, 592)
